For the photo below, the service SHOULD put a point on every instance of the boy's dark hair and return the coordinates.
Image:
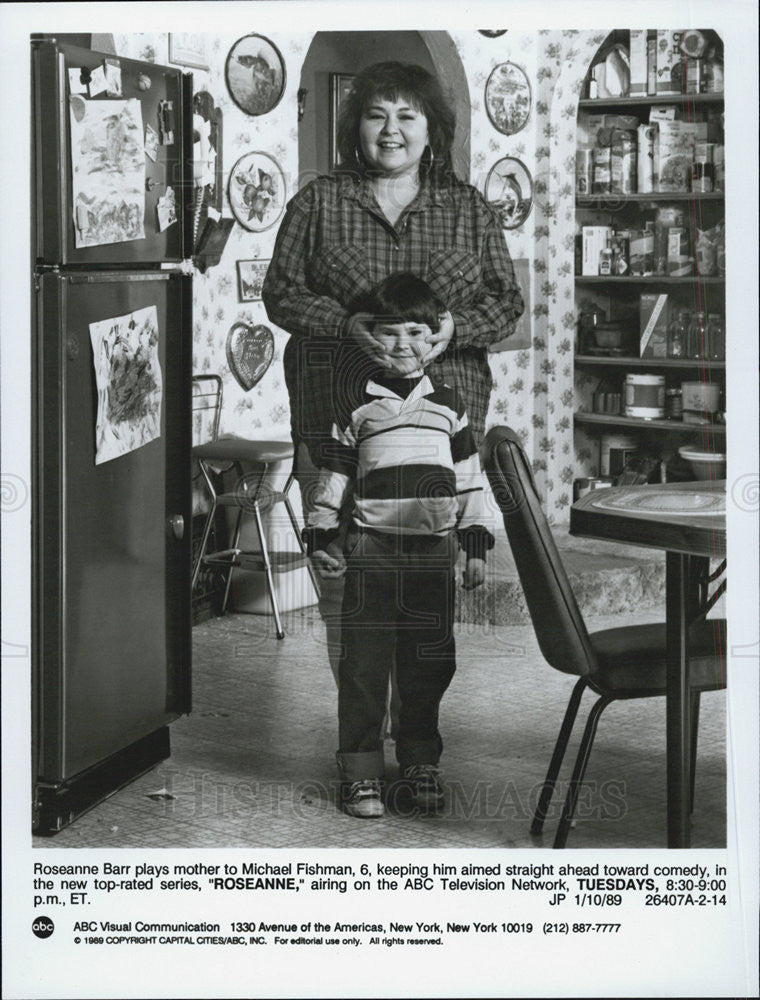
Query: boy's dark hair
(403, 298)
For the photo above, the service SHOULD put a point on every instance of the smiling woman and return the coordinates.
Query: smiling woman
(396, 205)
(393, 137)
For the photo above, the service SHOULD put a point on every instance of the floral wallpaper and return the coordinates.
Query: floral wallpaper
(534, 388)
(564, 58)
(534, 391)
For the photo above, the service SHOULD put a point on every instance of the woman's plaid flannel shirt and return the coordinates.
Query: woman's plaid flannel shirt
(335, 244)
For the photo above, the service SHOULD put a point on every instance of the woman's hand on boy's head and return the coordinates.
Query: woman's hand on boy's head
(440, 341)
(360, 328)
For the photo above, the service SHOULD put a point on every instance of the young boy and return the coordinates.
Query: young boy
(405, 461)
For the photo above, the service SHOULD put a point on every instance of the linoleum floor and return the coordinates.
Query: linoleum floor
(253, 765)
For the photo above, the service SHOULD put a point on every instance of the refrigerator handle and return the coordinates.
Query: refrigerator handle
(176, 526)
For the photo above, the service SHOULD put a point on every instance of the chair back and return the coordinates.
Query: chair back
(207, 408)
(556, 617)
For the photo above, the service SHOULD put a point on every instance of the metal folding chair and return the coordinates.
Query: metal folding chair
(250, 463)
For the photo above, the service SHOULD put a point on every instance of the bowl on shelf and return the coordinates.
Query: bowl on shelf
(704, 464)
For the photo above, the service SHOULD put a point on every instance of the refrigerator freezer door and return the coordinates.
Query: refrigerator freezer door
(112, 658)
(165, 113)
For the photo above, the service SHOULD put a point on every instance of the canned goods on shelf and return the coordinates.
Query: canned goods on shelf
(644, 396)
(584, 171)
(673, 404)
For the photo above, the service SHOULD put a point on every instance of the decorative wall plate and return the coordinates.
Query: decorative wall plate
(255, 74)
(509, 190)
(508, 98)
(250, 350)
(257, 191)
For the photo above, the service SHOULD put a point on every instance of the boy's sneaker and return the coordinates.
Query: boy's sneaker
(425, 783)
(363, 799)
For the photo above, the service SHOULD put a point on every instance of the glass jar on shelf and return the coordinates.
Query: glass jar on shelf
(697, 337)
(677, 335)
(716, 337)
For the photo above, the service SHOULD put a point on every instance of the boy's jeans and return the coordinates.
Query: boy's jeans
(331, 593)
(399, 596)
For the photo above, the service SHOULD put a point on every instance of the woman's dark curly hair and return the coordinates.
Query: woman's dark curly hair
(392, 81)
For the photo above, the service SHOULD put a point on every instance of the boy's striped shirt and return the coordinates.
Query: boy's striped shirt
(410, 464)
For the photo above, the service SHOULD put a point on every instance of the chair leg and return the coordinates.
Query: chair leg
(209, 522)
(234, 545)
(547, 789)
(279, 631)
(204, 543)
(584, 752)
(297, 532)
(694, 731)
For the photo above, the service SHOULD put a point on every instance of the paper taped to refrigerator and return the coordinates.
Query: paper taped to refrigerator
(107, 170)
(128, 376)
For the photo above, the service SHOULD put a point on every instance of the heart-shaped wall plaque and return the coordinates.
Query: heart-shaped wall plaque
(249, 352)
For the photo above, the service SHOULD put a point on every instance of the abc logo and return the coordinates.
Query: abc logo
(43, 927)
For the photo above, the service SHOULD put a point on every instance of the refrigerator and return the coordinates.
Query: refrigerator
(111, 397)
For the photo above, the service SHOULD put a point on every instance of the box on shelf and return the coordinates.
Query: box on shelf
(669, 61)
(589, 127)
(664, 113)
(651, 63)
(601, 169)
(675, 140)
(641, 252)
(654, 316)
(638, 61)
(617, 74)
(646, 174)
(598, 130)
(594, 240)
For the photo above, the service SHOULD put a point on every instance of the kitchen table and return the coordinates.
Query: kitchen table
(688, 522)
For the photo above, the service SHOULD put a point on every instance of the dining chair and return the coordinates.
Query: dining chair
(616, 664)
(246, 467)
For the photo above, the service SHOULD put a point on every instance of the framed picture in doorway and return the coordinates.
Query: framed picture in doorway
(250, 279)
(340, 87)
(188, 50)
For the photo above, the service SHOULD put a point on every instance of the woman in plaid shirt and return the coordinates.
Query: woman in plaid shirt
(395, 205)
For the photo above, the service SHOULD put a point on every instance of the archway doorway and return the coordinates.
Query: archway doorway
(348, 52)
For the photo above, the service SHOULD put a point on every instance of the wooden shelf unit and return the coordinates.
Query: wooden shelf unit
(649, 279)
(646, 101)
(613, 202)
(620, 292)
(652, 364)
(621, 422)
